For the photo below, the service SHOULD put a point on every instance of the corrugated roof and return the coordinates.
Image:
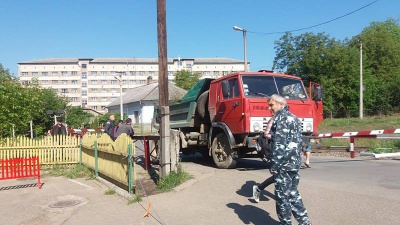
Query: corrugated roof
(149, 92)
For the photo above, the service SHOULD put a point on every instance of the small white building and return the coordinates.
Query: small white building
(138, 103)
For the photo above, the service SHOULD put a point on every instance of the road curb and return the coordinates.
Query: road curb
(382, 155)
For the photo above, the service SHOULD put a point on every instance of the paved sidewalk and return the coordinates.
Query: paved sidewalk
(334, 190)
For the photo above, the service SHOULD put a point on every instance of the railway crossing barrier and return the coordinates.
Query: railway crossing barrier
(359, 134)
(16, 168)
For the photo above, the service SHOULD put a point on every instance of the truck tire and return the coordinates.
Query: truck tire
(202, 105)
(222, 152)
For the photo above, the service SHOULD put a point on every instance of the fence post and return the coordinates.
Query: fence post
(352, 153)
(130, 166)
(80, 151)
(96, 159)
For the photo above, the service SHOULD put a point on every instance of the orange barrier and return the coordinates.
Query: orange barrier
(20, 168)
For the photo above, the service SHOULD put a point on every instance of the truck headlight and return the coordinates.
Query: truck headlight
(308, 127)
(256, 127)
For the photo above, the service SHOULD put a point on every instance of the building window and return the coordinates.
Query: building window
(112, 73)
(207, 73)
(84, 65)
(216, 73)
(170, 73)
(74, 81)
(64, 82)
(103, 90)
(103, 73)
(84, 101)
(64, 73)
(94, 73)
(188, 65)
(54, 81)
(103, 82)
(124, 82)
(74, 90)
(104, 99)
(142, 82)
(133, 73)
(94, 107)
(84, 85)
(54, 73)
(113, 82)
(74, 99)
(152, 73)
(93, 81)
(123, 90)
(84, 93)
(93, 98)
(34, 74)
(142, 73)
(64, 90)
(24, 74)
(44, 74)
(132, 81)
(113, 90)
(74, 73)
(84, 75)
(93, 90)
(113, 98)
(44, 82)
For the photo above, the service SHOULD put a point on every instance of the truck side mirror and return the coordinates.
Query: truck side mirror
(317, 93)
(225, 89)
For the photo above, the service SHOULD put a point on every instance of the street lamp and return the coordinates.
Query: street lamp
(244, 43)
(361, 81)
(120, 93)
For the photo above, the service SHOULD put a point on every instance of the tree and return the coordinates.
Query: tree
(186, 79)
(77, 117)
(22, 104)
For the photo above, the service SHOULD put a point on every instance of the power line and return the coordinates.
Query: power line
(305, 28)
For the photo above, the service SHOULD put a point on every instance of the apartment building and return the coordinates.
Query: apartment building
(96, 82)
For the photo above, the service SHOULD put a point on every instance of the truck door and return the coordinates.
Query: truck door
(230, 106)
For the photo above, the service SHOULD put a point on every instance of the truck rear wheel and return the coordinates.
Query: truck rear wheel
(222, 152)
(202, 105)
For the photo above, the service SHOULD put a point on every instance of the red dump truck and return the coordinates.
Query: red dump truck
(222, 118)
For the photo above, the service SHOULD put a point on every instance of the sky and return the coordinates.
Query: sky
(37, 29)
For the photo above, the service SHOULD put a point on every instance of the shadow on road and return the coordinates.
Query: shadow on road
(19, 186)
(247, 191)
(252, 215)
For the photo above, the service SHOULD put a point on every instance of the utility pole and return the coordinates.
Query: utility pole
(361, 81)
(163, 89)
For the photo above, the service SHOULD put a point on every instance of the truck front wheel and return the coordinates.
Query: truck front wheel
(222, 152)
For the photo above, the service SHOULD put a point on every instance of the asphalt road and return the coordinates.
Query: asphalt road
(335, 191)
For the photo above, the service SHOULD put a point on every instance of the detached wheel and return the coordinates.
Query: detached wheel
(222, 152)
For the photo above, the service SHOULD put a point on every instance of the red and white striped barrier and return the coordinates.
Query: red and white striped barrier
(359, 134)
(372, 133)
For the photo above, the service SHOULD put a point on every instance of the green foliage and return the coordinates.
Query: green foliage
(70, 171)
(336, 65)
(173, 180)
(100, 121)
(77, 117)
(110, 192)
(21, 104)
(136, 198)
(186, 79)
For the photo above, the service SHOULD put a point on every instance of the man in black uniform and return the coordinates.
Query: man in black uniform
(109, 128)
(286, 147)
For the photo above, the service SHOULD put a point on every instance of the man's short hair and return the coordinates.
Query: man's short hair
(278, 99)
(129, 120)
(59, 119)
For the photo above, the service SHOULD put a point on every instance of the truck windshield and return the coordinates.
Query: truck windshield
(265, 86)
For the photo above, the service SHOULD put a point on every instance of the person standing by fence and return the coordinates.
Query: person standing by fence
(59, 128)
(126, 128)
(109, 128)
